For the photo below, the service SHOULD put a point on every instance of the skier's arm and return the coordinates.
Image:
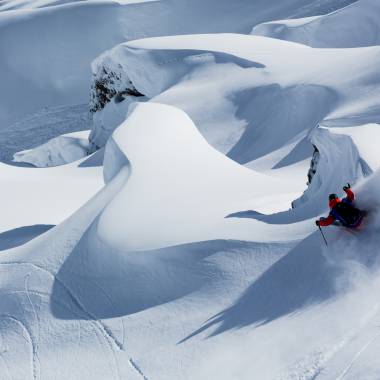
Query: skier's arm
(350, 193)
(324, 222)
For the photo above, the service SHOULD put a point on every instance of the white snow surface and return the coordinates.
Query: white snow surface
(172, 252)
(60, 38)
(352, 26)
(249, 90)
(60, 150)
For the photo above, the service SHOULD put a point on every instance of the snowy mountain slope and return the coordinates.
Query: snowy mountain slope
(8, 5)
(183, 263)
(45, 196)
(61, 39)
(353, 26)
(40, 127)
(60, 150)
(207, 306)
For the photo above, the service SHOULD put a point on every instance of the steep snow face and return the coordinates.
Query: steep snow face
(62, 38)
(344, 154)
(250, 93)
(167, 156)
(339, 162)
(205, 302)
(353, 26)
(364, 137)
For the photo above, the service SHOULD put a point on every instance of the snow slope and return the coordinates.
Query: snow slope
(83, 286)
(171, 147)
(353, 26)
(250, 93)
(61, 38)
(45, 196)
(40, 127)
(60, 150)
(175, 253)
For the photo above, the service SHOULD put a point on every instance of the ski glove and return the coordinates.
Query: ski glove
(317, 222)
(348, 186)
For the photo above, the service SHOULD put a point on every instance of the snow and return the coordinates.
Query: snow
(40, 127)
(352, 26)
(167, 155)
(364, 137)
(47, 195)
(60, 150)
(249, 92)
(61, 38)
(171, 235)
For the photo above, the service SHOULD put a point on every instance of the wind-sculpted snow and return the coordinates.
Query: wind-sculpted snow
(46, 47)
(345, 155)
(250, 94)
(353, 26)
(167, 155)
(39, 128)
(114, 160)
(339, 162)
(186, 260)
(61, 150)
(248, 298)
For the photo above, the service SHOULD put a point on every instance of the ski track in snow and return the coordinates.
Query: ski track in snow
(35, 342)
(34, 364)
(112, 341)
(106, 332)
(356, 357)
(368, 327)
(137, 368)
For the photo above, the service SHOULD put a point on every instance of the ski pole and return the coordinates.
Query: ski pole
(320, 229)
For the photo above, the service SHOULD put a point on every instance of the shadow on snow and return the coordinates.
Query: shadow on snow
(301, 278)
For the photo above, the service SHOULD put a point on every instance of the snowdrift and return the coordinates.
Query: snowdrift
(45, 196)
(250, 93)
(119, 289)
(352, 26)
(60, 150)
(166, 155)
(346, 154)
(46, 47)
(186, 261)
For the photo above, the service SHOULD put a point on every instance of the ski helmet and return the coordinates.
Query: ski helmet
(332, 196)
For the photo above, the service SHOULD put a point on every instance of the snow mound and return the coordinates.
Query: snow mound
(40, 127)
(68, 36)
(132, 258)
(167, 155)
(249, 92)
(58, 151)
(352, 26)
(345, 154)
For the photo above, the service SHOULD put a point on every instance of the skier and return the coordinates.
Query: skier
(342, 211)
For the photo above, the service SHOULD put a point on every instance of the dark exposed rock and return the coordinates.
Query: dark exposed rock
(108, 84)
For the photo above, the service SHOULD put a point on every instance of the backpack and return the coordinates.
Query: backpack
(346, 213)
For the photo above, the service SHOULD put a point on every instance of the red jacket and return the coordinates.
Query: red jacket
(330, 219)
